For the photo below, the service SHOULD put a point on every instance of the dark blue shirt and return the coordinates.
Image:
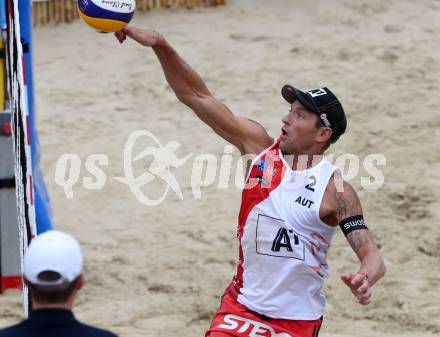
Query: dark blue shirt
(53, 323)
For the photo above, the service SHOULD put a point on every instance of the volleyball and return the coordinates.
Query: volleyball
(107, 15)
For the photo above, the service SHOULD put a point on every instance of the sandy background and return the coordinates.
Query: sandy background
(160, 271)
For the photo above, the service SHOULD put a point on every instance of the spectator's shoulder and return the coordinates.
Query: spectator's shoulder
(96, 332)
(12, 331)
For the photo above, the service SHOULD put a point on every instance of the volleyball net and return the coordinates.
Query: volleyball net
(22, 189)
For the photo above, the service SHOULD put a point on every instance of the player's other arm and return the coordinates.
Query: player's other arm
(247, 136)
(350, 218)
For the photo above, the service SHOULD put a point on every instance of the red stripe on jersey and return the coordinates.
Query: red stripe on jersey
(264, 177)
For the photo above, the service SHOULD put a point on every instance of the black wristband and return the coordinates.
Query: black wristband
(352, 223)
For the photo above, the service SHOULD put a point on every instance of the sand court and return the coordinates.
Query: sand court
(160, 271)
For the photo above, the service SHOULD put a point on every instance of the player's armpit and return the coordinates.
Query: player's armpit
(256, 138)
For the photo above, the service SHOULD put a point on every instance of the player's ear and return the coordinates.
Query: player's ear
(80, 282)
(324, 134)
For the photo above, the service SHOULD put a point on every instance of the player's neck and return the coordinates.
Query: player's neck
(68, 305)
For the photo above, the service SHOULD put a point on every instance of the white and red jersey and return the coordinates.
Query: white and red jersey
(283, 241)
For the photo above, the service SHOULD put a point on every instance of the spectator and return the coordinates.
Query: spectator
(53, 272)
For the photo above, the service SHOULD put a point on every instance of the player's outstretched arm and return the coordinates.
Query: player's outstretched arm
(247, 136)
(350, 218)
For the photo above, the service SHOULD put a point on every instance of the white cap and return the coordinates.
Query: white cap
(53, 251)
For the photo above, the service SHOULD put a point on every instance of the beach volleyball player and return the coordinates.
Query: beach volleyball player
(293, 202)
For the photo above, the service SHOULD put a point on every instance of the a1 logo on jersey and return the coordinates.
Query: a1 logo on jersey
(284, 239)
(275, 238)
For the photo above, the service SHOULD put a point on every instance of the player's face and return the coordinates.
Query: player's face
(299, 130)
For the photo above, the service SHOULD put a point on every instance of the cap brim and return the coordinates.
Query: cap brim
(292, 94)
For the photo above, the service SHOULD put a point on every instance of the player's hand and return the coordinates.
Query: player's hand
(359, 286)
(145, 37)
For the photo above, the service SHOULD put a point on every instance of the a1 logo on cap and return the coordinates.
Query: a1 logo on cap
(317, 92)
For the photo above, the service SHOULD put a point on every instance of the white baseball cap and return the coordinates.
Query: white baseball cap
(53, 251)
